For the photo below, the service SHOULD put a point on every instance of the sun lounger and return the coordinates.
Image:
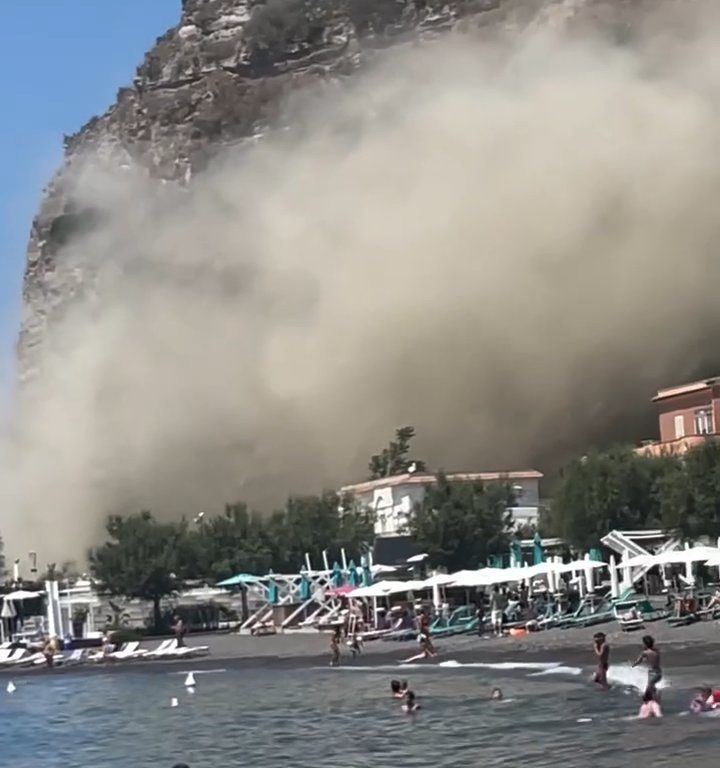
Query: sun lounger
(17, 655)
(164, 646)
(128, 651)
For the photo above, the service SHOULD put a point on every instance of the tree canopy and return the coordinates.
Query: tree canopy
(394, 460)
(460, 525)
(621, 489)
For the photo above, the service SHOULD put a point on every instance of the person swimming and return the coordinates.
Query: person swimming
(705, 700)
(651, 657)
(602, 652)
(410, 704)
(396, 689)
(649, 707)
(496, 695)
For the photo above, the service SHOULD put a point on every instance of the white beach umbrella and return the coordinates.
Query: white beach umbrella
(627, 575)
(23, 594)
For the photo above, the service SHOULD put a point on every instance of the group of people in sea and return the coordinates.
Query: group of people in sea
(399, 689)
(705, 700)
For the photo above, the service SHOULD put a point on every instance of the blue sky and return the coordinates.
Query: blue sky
(62, 62)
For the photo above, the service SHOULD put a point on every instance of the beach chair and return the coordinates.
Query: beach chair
(15, 656)
(158, 652)
(130, 650)
(76, 657)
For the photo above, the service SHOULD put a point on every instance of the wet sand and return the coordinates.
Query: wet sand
(680, 646)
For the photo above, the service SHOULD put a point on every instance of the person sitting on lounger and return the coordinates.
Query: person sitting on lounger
(410, 704)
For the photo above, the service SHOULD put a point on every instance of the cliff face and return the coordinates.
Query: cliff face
(216, 78)
(222, 74)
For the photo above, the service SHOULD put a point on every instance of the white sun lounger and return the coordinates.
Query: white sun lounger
(169, 650)
(130, 650)
(16, 656)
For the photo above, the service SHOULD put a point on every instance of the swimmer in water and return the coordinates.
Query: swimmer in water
(335, 648)
(649, 707)
(496, 695)
(602, 653)
(410, 704)
(397, 690)
(705, 700)
(650, 656)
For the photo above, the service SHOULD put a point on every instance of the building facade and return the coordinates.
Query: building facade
(687, 415)
(393, 498)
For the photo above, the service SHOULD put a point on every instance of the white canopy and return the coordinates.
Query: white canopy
(22, 594)
(383, 588)
(673, 557)
(579, 565)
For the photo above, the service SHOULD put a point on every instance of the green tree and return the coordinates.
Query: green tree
(236, 541)
(689, 493)
(315, 523)
(605, 490)
(142, 559)
(394, 460)
(460, 525)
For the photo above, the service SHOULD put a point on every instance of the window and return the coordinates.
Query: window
(703, 422)
(679, 427)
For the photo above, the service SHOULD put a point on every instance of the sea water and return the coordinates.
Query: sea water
(315, 717)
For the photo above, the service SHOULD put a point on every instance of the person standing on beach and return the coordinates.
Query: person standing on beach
(480, 614)
(335, 647)
(650, 656)
(496, 611)
(602, 653)
(180, 630)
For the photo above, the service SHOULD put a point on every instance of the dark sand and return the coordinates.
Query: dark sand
(680, 646)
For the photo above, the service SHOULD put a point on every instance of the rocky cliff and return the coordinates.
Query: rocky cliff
(222, 74)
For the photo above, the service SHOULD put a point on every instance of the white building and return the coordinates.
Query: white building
(393, 498)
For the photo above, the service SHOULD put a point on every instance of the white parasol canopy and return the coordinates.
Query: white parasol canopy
(8, 610)
(23, 594)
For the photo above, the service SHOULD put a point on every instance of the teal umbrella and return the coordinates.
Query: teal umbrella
(367, 578)
(272, 593)
(242, 579)
(336, 577)
(538, 554)
(596, 554)
(515, 553)
(305, 589)
(353, 579)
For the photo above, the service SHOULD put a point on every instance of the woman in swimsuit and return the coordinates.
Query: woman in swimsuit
(602, 652)
(651, 657)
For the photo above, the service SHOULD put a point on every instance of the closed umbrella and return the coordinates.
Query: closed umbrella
(538, 554)
(353, 579)
(515, 553)
(8, 612)
(367, 578)
(614, 584)
(336, 577)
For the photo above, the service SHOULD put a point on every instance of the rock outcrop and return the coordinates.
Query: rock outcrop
(219, 76)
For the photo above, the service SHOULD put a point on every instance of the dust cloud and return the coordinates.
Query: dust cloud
(507, 244)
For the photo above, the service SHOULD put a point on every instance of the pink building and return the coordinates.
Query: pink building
(687, 415)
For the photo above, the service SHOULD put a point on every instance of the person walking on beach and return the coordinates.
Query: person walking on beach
(180, 630)
(650, 656)
(496, 611)
(335, 647)
(602, 653)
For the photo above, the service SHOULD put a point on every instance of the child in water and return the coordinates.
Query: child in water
(649, 707)
(602, 652)
(705, 700)
(496, 695)
(651, 657)
(410, 704)
(398, 689)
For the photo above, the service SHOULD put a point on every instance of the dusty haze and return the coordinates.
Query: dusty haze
(508, 246)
